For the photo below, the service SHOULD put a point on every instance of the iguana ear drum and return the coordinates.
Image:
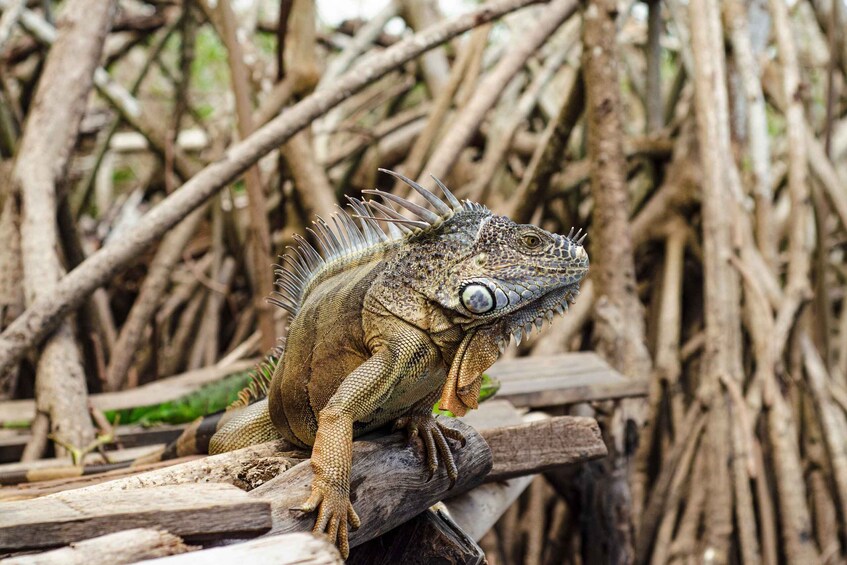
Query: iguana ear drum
(477, 298)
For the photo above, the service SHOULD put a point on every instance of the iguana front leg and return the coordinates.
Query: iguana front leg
(420, 422)
(369, 387)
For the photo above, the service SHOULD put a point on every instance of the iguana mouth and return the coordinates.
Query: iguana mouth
(556, 301)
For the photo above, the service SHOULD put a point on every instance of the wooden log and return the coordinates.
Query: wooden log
(127, 546)
(196, 511)
(429, 537)
(288, 549)
(388, 484)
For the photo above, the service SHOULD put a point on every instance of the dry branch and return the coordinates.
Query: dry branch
(46, 313)
(723, 340)
(42, 160)
(491, 86)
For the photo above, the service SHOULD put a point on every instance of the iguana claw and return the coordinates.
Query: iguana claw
(434, 435)
(335, 511)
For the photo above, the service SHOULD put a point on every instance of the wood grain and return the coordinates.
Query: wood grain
(127, 546)
(567, 378)
(194, 511)
(288, 549)
(388, 483)
(534, 447)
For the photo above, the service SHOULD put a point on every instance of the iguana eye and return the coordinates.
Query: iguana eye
(477, 299)
(531, 240)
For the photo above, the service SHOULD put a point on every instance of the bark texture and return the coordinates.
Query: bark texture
(45, 147)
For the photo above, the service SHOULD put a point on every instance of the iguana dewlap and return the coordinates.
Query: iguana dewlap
(386, 322)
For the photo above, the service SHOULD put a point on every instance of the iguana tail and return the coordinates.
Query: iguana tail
(246, 414)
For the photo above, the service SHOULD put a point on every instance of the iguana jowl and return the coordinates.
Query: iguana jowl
(384, 322)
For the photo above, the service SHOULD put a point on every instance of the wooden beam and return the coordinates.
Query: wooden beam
(534, 447)
(288, 549)
(195, 511)
(127, 546)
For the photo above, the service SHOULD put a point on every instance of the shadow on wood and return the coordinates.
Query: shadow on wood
(429, 537)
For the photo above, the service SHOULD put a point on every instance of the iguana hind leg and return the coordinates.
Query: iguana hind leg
(422, 423)
(243, 427)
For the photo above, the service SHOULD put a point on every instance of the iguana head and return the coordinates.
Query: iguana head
(485, 269)
(516, 272)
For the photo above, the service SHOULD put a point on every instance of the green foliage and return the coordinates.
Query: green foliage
(209, 71)
(209, 399)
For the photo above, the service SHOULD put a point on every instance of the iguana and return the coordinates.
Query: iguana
(384, 322)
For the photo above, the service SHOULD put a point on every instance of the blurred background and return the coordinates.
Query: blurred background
(702, 145)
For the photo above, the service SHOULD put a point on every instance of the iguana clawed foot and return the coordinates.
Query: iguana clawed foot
(335, 511)
(433, 434)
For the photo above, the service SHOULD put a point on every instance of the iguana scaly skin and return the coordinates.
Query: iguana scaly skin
(386, 322)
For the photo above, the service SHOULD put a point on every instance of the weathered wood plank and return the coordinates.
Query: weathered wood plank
(157, 392)
(494, 413)
(567, 378)
(288, 549)
(194, 511)
(245, 468)
(534, 447)
(127, 546)
(477, 510)
(24, 491)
